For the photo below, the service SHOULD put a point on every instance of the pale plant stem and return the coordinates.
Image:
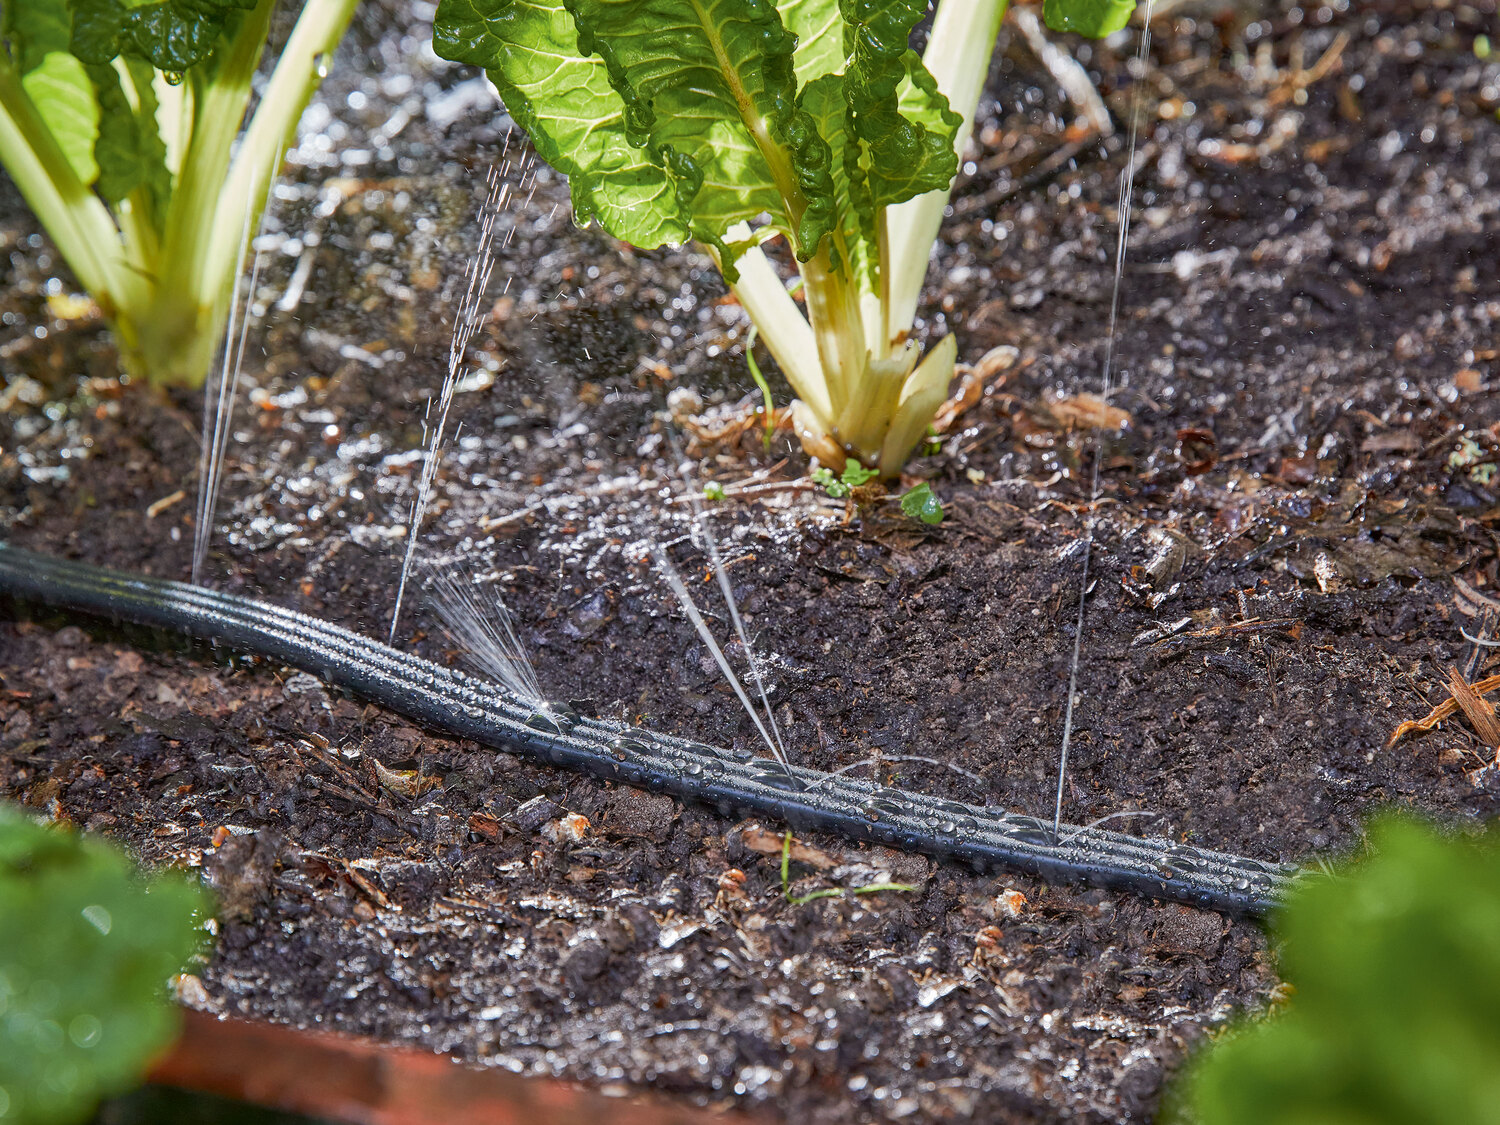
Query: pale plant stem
(958, 51)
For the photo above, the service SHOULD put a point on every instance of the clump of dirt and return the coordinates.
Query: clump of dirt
(1307, 345)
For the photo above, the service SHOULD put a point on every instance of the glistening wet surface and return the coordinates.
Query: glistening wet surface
(1307, 342)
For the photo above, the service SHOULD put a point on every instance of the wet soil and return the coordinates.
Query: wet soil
(1307, 352)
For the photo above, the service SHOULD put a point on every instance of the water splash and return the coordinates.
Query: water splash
(700, 521)
(218, 401)
(485, 632)
(685, 598)
(472, 312)
(1127, 191)
(875, 761)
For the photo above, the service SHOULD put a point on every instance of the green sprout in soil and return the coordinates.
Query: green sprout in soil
(698, 119)
(827, 892)
(118, 122)
(1470, 456)
(839, 487)
(713, 490)
(768, 406)
(921, 503)
(1394, 1012)
(86, 949)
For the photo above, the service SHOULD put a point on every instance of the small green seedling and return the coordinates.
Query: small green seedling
(1395, 1013)
(736, 122)
(87, 946)
(1470, 456)
(118, 122)
(713, 490)
(921, 503)
(827, 892)
(768, 405)
(839, 487)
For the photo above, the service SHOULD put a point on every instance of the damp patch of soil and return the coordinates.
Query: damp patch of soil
(1307, 359)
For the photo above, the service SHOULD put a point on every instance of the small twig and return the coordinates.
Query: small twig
(1443, 710)
(1289, 626)
(1481, 715)
(733, 492)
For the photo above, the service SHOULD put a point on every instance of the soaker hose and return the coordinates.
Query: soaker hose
(736, 783)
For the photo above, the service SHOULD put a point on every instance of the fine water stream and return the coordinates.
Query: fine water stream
(1270, 536)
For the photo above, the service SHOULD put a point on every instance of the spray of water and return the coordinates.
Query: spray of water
(1127, 191)
(472, 312)
(721, 576)
(875, 761)
(482, 628)
(219, 397)
(690, 607)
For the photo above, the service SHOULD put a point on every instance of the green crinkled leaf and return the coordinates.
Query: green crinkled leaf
(711, 85)
(576, 120)
(854, 240)
(86, 949)
(682, 118)
(129, 151)
(923, 105)
(1094, 18)
(96, 30)
(118, 147)
(176, 35)
(172, 41)
(152, 150)
(35, 28)
(819, 29)
(61, 91)
(907, 153)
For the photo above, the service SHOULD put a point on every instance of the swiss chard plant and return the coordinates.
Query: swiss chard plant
(118, 122)
(734, 122)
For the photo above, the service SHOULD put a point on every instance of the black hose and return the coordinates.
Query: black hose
(735, 783)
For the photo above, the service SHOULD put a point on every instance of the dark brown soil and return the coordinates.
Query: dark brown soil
(1307, 348)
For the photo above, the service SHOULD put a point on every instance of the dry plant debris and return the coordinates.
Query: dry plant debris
(1088, 412)
(1479, 712)
(1448, 708)
(992, 369)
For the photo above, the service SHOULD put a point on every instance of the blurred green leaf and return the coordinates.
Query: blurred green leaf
(1094, 18)
(921, 503)
(175, 35)
(1395, 1017)
(86, 948)
(54, 80)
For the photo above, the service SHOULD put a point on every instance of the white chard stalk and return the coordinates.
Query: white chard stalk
(153, 228)
(729, 124)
